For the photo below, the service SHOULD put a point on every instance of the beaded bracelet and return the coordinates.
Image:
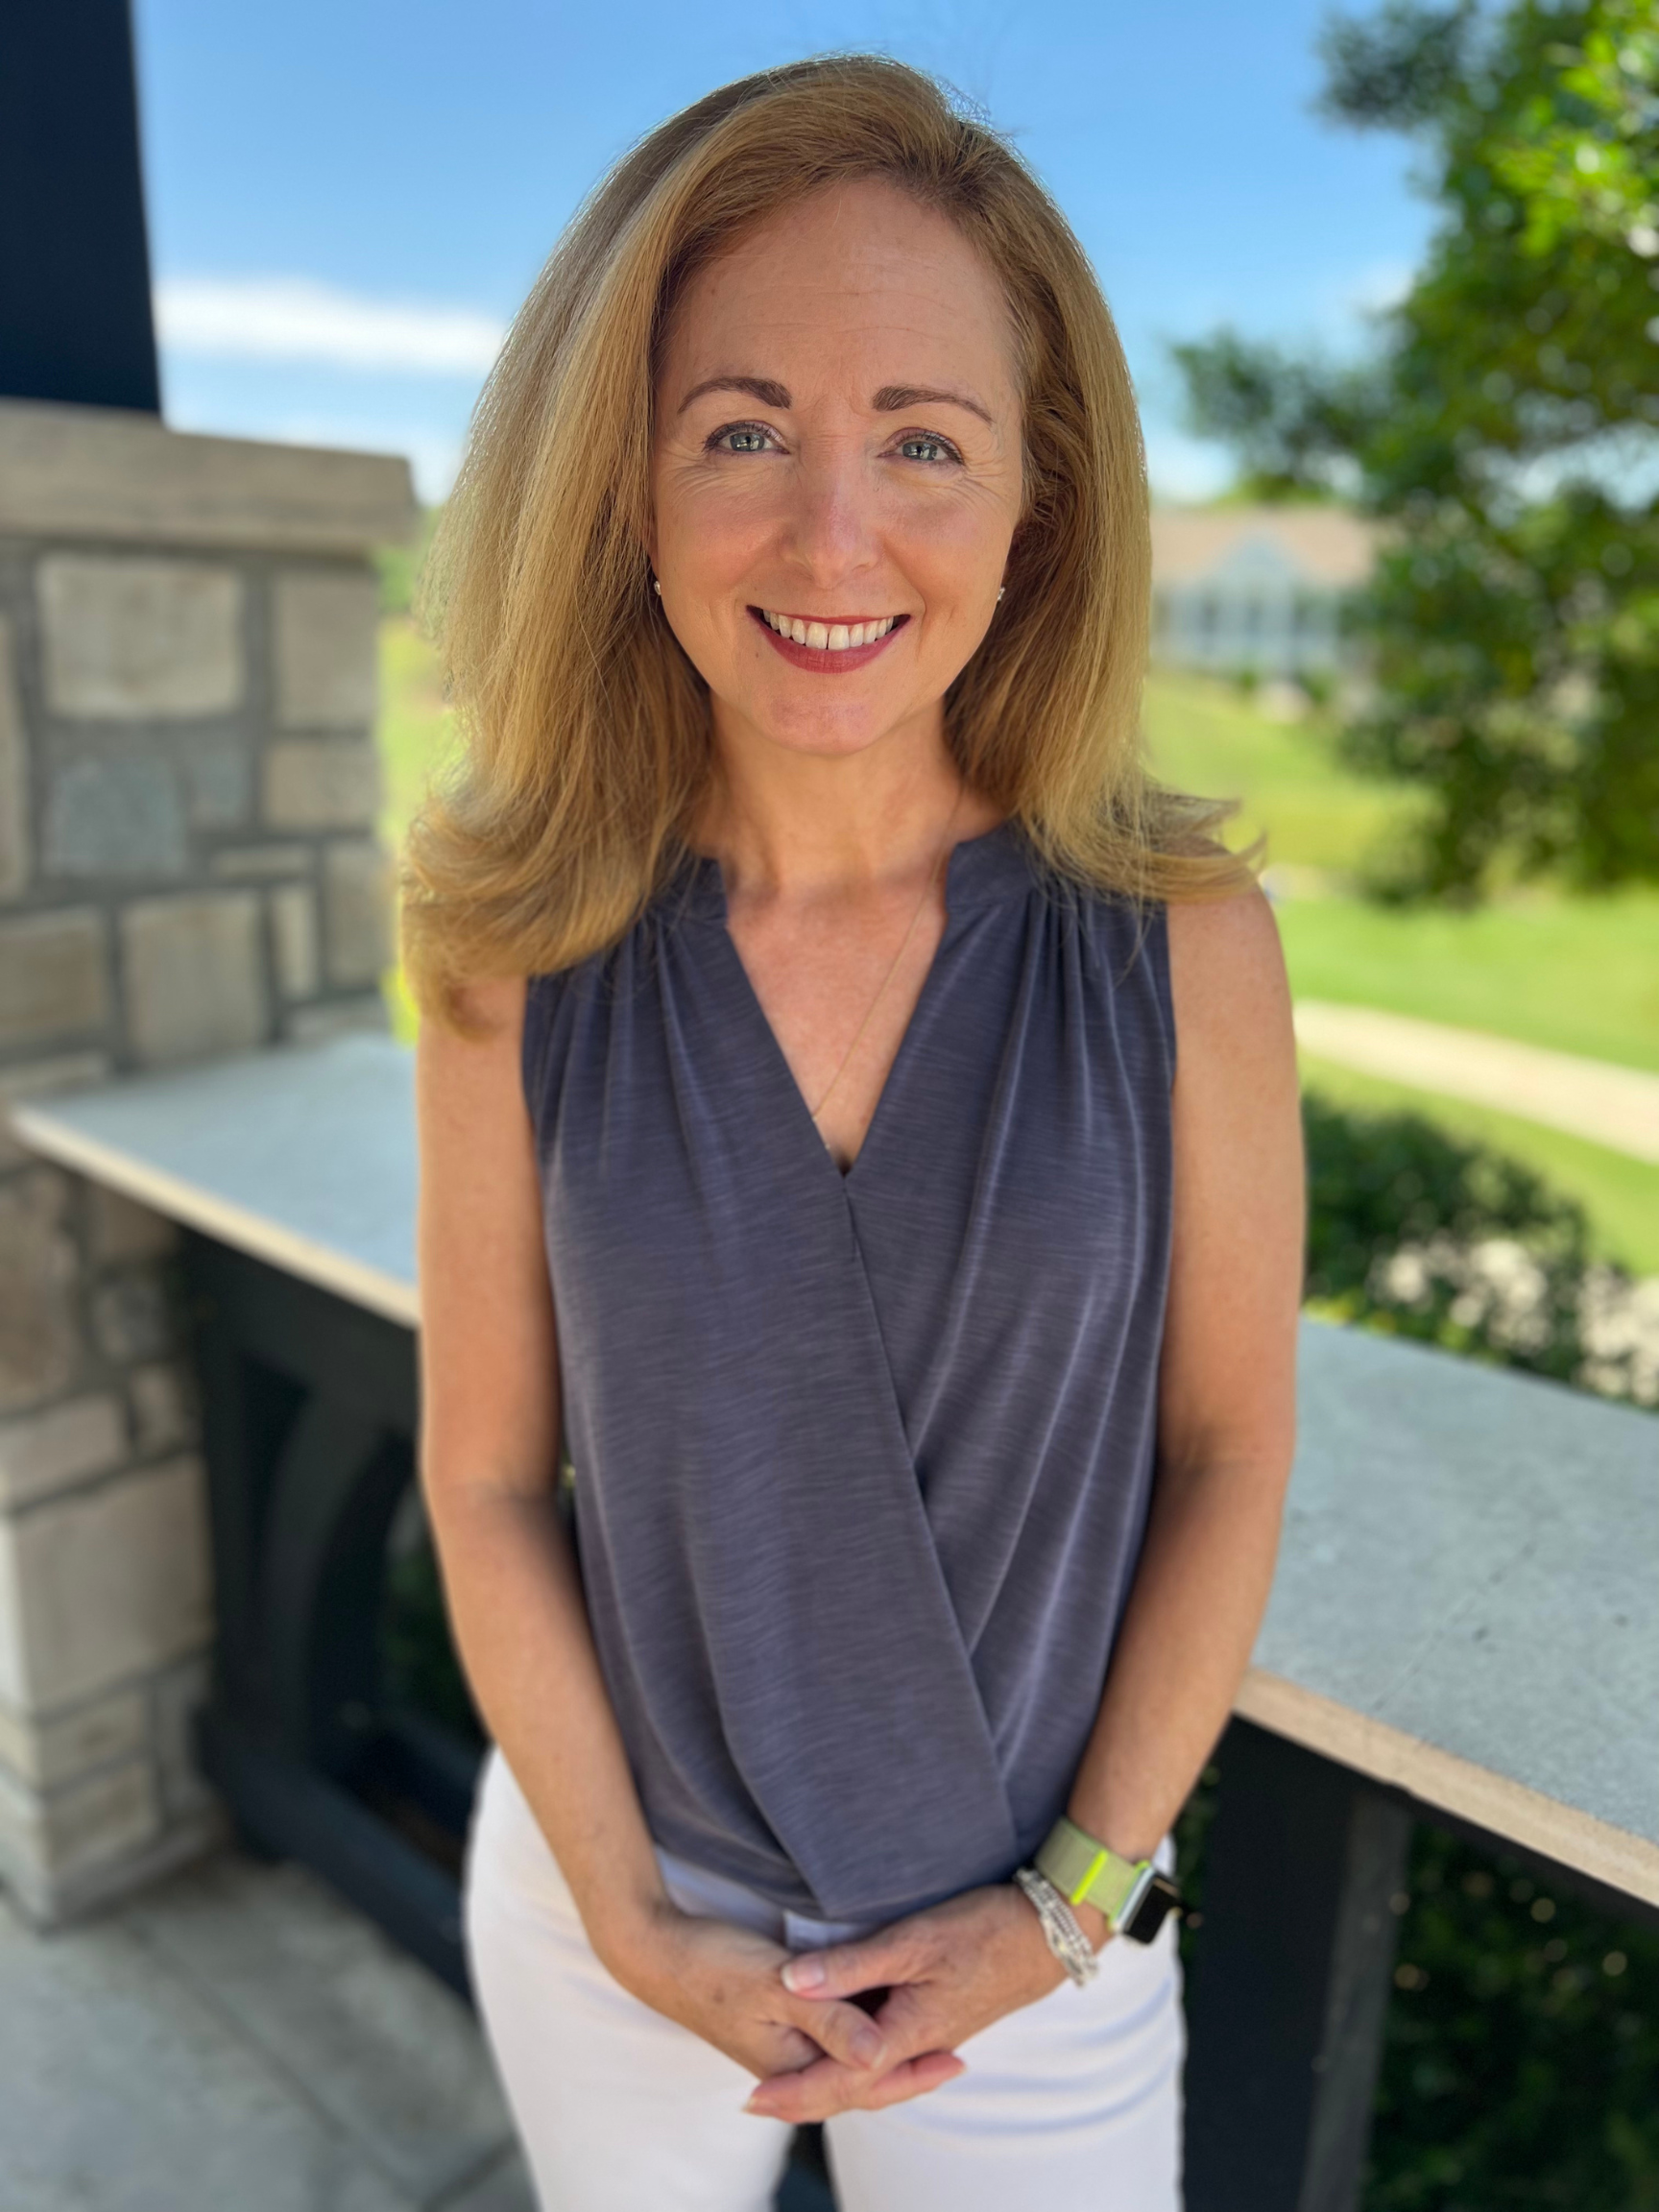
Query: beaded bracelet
(1059, 1925)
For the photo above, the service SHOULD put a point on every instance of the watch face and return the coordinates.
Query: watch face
(1162, 1898)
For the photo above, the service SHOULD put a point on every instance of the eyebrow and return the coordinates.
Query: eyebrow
(891, 400)
(761, 388)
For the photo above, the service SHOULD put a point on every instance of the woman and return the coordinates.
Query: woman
(804, 948)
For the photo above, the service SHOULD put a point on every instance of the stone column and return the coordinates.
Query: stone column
(188, 867)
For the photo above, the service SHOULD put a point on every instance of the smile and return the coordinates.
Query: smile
(829, 637)
(828, 647)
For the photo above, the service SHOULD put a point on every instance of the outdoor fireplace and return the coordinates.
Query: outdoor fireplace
(339, 1729)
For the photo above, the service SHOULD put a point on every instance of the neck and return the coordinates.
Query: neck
(801, 825)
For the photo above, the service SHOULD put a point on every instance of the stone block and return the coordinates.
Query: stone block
(326, 626)
(40, 1453)
(137, 639)
(166, 1412)
(39, 1079)
(52, 976)
(175, 1698)
(335, 1018)
(118, 1228)
(112, 473)
(321, 783)
(48, 1751)
(14, 778)
(257, 862)
(114, 818)
(293, 947)
(104, 1584)
(218, 786)
(50, 1840)
(39, 1338)
(357, 913)
(132, 1318)
(195, 979)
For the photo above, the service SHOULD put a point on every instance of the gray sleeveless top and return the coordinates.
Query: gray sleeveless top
(863, 1462)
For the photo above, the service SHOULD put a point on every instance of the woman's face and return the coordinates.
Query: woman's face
(838, 447)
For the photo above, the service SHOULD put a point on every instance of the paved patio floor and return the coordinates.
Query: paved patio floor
(238, 2039)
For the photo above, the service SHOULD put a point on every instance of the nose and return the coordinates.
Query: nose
(831, 525)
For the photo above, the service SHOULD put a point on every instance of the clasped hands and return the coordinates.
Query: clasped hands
(928, 1982)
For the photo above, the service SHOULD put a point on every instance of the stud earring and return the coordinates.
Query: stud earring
(657, 587)
(999, 594)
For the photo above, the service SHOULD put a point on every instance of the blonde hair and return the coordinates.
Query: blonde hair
(587, 728)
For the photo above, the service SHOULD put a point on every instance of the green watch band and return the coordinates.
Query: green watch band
(1085, 1872)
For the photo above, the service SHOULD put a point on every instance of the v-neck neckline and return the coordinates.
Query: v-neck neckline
(976, 866)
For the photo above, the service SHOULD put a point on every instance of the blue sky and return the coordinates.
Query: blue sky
(347, 201)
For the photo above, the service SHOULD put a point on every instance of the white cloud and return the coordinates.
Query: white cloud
(296, 319)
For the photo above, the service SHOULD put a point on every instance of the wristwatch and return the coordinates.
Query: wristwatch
(1135, 1896)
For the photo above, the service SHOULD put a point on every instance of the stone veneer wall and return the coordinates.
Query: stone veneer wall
(188, 867)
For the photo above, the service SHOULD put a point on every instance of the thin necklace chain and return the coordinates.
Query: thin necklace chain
(926, 889)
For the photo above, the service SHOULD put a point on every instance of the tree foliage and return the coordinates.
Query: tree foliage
(1504, 432)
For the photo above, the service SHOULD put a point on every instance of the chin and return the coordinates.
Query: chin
(799, 727)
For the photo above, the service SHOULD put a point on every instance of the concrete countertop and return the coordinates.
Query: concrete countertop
(1464, 1603)
(301, 1154)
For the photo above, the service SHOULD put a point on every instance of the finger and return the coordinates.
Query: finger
(914, 2078)
(847, 2032)
(843, 1969)
(795, 2048)
(820, 2091)
(810, 2093)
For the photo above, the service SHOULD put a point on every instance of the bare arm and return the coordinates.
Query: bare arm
(489, 1421)
(1226, 1381)
(488, 1468)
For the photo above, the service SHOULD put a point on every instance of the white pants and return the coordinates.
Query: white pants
(1074, 2103)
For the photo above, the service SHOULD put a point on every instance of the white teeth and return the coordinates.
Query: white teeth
(829, 637)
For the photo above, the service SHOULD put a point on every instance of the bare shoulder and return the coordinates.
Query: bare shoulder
(1227, 971)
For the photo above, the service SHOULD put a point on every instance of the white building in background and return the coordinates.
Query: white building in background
(1254, 588)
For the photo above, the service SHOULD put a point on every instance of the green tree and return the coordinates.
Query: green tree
(1506, 433)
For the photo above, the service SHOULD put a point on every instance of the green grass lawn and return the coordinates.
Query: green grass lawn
(1203, 736)
(1578, 974)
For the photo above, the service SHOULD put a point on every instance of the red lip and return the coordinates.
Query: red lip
(818, 658)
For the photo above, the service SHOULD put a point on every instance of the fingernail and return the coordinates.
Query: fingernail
(868, 2045)
(803, 1975)
(755, 2105)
